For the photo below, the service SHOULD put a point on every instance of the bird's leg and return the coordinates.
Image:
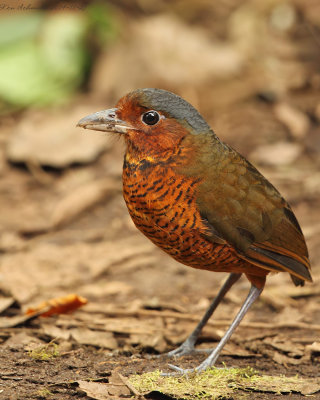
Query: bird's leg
(212, 358)
(187, 346)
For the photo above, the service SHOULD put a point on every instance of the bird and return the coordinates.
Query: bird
(201, 202)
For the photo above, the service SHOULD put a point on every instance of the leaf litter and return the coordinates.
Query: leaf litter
(65, 229)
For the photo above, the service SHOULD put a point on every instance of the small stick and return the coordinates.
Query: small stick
(216, 323)
(130, 386)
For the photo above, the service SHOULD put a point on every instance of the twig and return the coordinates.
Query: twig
(215, 323)
(130, 386)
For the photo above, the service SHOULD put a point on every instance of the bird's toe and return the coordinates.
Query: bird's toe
(178, 371)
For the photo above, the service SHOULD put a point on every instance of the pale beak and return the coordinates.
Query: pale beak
(105, 121)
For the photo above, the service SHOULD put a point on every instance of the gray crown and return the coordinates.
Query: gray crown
(173, 106)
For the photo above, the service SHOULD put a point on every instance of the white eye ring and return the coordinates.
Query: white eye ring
(151, 117)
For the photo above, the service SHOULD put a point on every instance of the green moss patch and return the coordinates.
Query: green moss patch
(221, 384)
(45, 353)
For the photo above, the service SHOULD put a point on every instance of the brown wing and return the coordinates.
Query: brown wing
(246, 211)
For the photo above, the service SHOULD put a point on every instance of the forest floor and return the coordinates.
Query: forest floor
(65, 229)
(68, 231)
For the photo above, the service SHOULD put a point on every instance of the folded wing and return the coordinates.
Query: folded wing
(242, 208)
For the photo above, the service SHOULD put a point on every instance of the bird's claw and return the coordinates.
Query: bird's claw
(179, 371)
(182, 350)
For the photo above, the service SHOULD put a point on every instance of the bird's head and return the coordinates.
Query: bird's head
(154, 122)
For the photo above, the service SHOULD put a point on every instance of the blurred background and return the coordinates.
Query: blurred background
(251, 67)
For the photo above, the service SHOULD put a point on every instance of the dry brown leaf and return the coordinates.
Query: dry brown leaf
(53, 139)
(296, 121)
(106, 288)
(130, 386)
(285, 360)
(5, 303)
(24, 340)
(305, 291)
(155, 341)
(59, 305)
(11, 241)
(235, 350)
(55, 332)
(156, 304)
(82, 199)
(193, 317)
(124, 325)
(94, 338)
(101, 391)
(311, 349)
(286, 346)
(117, 387)
(274, 384)
(276, 299)
(6, 322)
(289, 314)
(94, 260)
(281, 153)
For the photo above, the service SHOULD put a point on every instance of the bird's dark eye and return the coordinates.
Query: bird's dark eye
(150, 117)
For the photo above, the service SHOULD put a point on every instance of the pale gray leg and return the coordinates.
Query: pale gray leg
(187, 346)
(212, 358)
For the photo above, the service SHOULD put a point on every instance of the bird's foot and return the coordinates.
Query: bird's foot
(178, 371)
(183, 350)
(181, 371)
(186, 348)
(207, 363)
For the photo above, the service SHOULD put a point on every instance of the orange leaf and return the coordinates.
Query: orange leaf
(59, 305)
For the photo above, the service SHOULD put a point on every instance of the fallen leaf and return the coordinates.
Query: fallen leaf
(289, 314)
(94, 338)
(285, 346)
(53, 140)
(6, 322)
(155, 341)
(60, 305)
(234, 350)
(282, 359)
(10, 241)
(95, 390)
(296, 121)
(277, 298)
(156, 304)
(132, 326)
(116, 385)
(311, 349)
(94, 259)
(115, 389)
(82, 199)
(285, 384)
(55, 332)
(23, 340)
(129, 386)
(281, 153)
(5, 303)
(106, 288)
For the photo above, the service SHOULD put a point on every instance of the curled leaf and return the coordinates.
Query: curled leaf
(59, 305)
